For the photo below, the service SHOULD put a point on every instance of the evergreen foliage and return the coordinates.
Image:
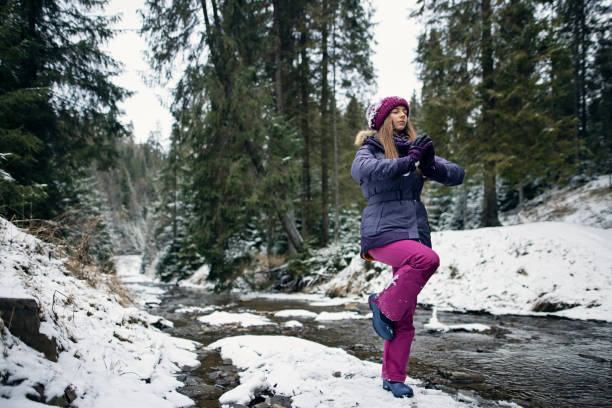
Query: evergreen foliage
(517, 92)
(512, 91)
(251, 116)
(58, 107)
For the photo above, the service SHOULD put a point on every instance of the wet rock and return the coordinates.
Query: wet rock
(461, 377)
(498, 332)
(63, 400)
(271, 401)
(547, 306)
(351, 307)
(21, 318)
(196, 390)
(38, 395)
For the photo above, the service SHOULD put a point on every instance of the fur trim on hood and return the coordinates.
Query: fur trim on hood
(362, 135)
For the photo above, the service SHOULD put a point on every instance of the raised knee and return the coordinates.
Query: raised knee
(428, 260)
(433, 260)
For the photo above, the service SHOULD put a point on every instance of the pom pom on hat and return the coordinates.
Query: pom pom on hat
(378, 111)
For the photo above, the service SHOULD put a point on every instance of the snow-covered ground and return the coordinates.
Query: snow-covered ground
(110, 355)
(589, 205)
(557, 260)
(318, 376)
(247, 319)
(520, 269)
(127, 268)
(435, 325)
(113, 356)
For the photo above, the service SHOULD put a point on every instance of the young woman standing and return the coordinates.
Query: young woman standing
(390, 166)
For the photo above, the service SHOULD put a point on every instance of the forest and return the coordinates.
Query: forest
(268, 99)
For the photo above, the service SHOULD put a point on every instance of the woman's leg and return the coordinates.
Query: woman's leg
(413, 264)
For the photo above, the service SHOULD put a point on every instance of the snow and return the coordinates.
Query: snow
(219, 318)
(110, 354)
(196, 309)
(510, 270)
(559, 254)
(313, 299)
(589, 205)
(305, 314)
(127, 268)
(325, 316)
(315, 376)
(292, 324)
(436, 325)
(198, 279)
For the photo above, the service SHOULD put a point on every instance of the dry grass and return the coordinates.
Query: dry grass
(71, 235)
(116, 287)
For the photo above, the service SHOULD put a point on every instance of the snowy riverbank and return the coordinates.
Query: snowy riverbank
(540, 268)
(318, 376)
(109, 354)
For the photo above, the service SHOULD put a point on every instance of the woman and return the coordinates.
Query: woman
(390, 166)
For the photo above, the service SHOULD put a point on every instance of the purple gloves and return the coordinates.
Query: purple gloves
(422, 150)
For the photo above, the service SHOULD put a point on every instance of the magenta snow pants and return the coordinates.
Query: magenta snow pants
(413, 264)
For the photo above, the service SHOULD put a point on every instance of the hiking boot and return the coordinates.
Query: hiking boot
(399, 389)
(383, 326)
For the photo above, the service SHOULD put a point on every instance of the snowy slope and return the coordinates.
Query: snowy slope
(557, 260)
(511, 270)
(111, 355)
(516, 269)
(589, 204)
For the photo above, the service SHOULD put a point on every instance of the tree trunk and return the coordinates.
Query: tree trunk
(335, 132)
(579, 34)
(324, 130)
(305, 130)
(489, 205)
(487, 125)
(221, 61)
(277, 59)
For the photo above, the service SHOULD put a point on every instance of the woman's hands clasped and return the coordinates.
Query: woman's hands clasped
(422, 150)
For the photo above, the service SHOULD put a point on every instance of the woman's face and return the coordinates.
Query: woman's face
(399, 117)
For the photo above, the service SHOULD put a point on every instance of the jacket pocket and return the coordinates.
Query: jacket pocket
(370, 220)
(393, 216)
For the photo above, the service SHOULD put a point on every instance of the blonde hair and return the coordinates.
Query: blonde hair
(385, 134)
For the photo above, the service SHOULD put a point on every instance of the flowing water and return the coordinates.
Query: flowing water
(533, 361)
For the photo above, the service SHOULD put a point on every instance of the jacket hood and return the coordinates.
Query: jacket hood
(362, 135)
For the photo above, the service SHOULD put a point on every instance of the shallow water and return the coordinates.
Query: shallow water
(535, 362)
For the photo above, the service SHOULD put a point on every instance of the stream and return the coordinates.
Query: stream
(532, 361)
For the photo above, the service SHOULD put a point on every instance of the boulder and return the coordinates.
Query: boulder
(21, 317)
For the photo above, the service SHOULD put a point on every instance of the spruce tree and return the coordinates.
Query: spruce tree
(58, 106)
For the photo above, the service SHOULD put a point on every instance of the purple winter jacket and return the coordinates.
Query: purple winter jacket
(393, 190)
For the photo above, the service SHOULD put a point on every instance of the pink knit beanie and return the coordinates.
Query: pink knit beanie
(378, 111)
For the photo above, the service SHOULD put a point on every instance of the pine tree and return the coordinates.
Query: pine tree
(495, 92)
(522, 123)
(601, 104)
(58, 107)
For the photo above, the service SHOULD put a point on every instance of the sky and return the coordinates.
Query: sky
(147, 109)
